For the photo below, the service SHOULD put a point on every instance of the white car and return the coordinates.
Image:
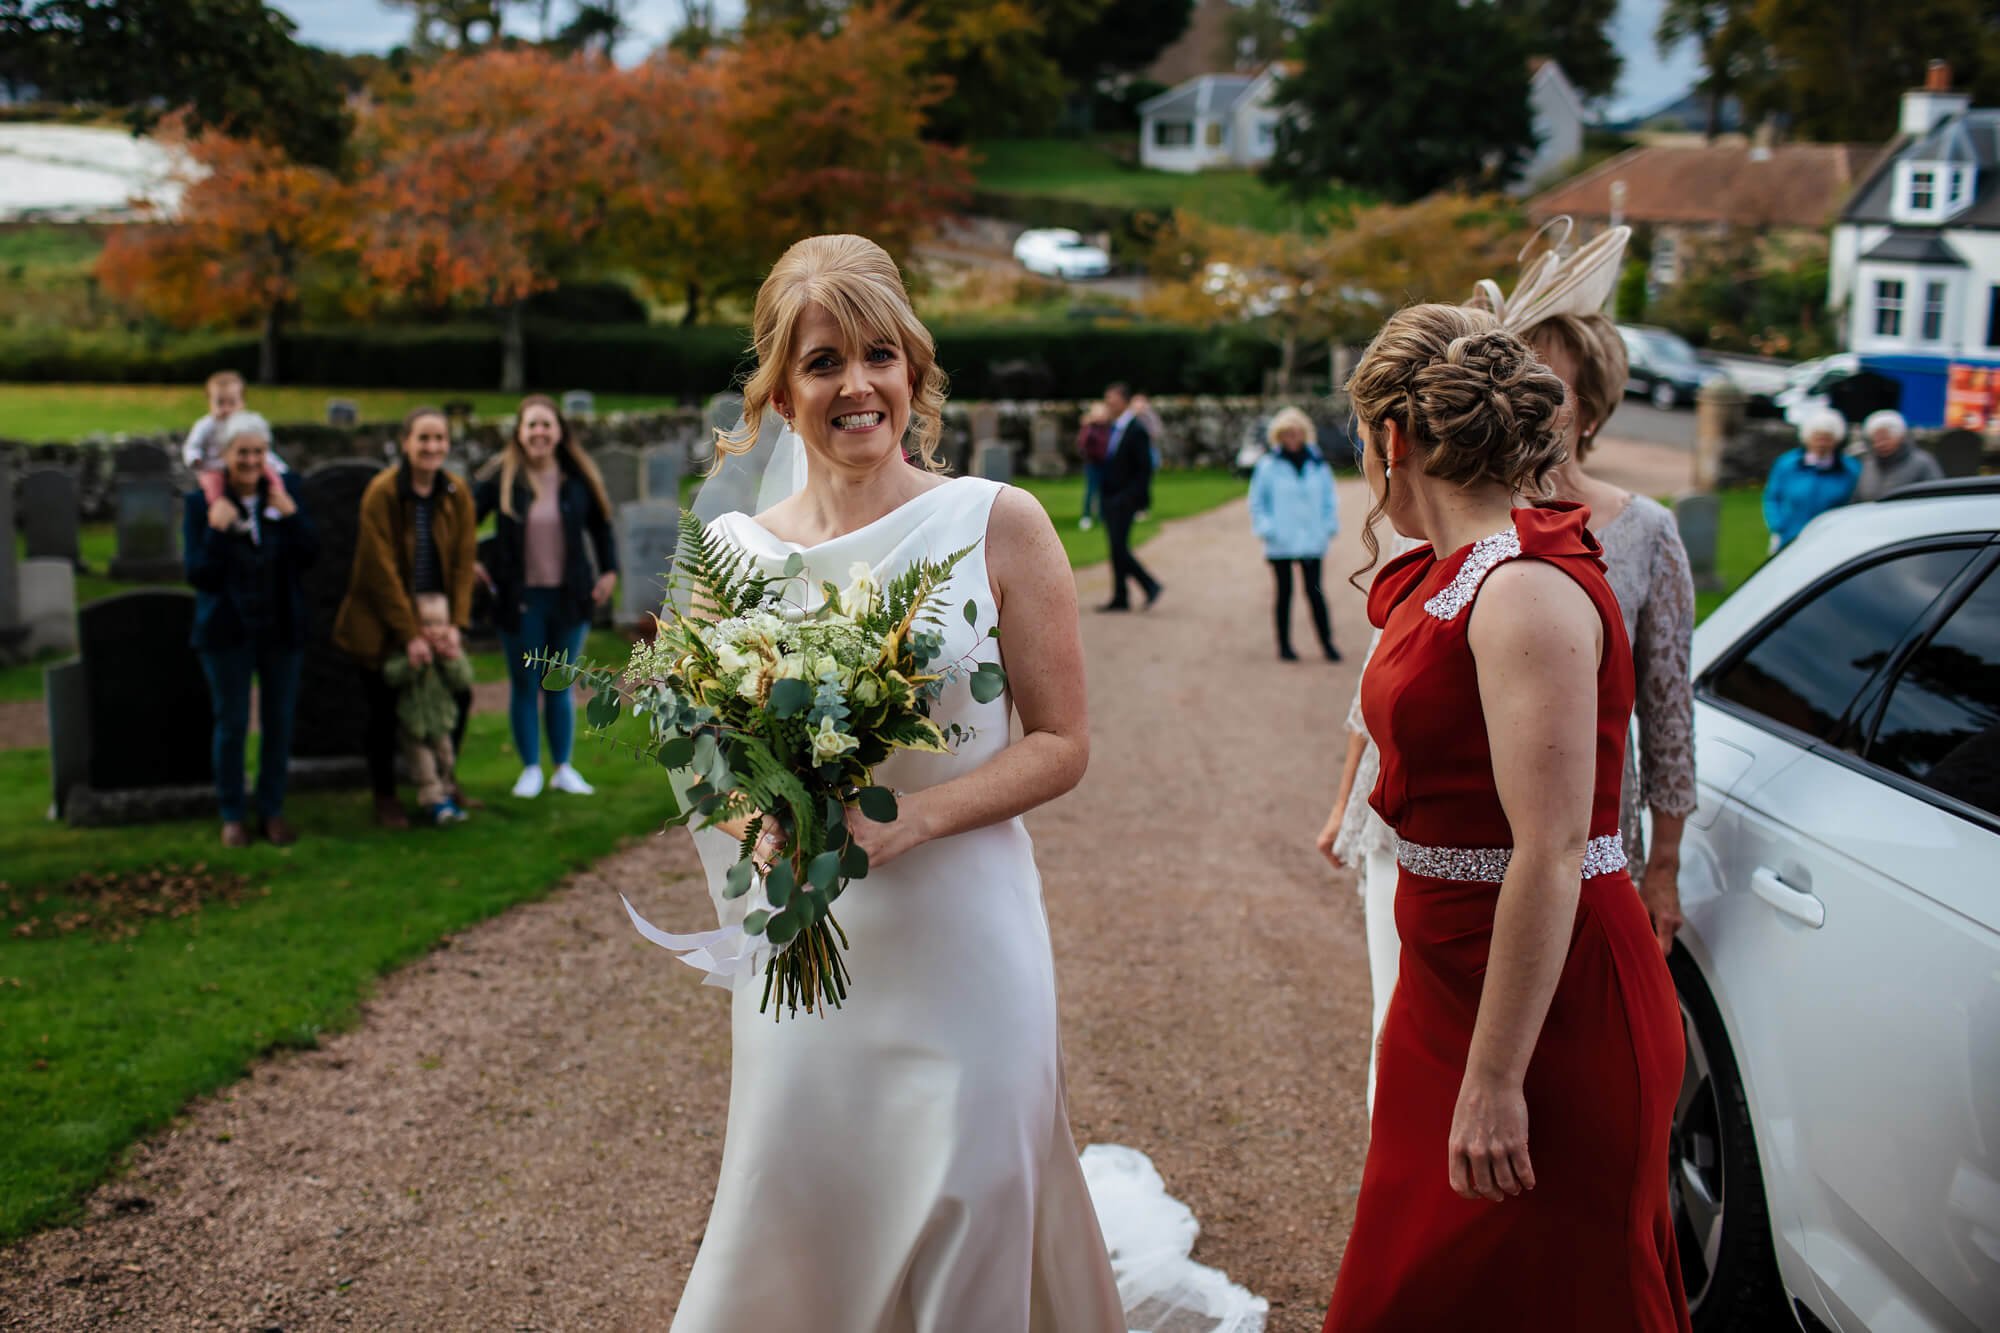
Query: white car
(1058, 252)
(1807, 387)
(1835, 1161)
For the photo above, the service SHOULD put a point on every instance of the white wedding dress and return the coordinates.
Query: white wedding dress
(905, 1164)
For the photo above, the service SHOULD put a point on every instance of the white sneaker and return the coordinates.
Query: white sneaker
(1086, 523)
(529, 784)
(568, 779)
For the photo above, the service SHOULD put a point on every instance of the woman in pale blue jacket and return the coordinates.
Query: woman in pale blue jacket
(1292, 509)
(1807, 481)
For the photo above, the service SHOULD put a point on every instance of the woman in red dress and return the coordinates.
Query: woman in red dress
(1532, 993)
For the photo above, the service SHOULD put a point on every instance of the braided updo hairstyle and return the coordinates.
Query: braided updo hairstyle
(1472, 399)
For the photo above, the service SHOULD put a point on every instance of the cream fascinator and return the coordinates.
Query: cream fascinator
(1552, 283)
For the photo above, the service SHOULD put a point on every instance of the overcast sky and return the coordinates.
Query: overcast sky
(366, 25)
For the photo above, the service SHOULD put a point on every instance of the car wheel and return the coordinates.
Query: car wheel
(1665, 396)
(1722, 1226)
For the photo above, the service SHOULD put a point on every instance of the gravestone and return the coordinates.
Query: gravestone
(619, 466)
(143, 687)
(48, 605)
(1698, 515)
(1045, 458)
(1959, 452)
(139, 459)
(661, 472)
(12, 631)
(994, 461)
(68, 710)
(328, 721)
(647, 534)
(149, 517)
(49, 514)
(343, 413)
(984, 420)
(579, 403)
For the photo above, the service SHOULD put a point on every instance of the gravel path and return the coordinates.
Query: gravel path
(524, 1130)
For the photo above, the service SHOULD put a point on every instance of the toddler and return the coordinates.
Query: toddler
(202, 451)
(427, 709)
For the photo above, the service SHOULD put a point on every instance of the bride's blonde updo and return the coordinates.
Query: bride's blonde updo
(854, 280)
(1473, 400)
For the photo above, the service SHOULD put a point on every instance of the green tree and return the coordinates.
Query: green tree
(1841, 65)
(1118, 36)
(1572, 33)
(232, 63)
(1260, 31)
(1405, 99)
(1735, 58)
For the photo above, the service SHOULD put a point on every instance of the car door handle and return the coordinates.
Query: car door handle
(1795, 903)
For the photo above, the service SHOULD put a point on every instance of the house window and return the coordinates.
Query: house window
(1213, 136)
(1923, 190)
(1888, 309)
(1993, 316)
(1267, 134)
(1958, 177)
(1934, 296)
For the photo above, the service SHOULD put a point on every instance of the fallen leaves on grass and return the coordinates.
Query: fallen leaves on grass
(115, 905)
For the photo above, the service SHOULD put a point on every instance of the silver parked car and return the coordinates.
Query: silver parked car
(1836, 1157)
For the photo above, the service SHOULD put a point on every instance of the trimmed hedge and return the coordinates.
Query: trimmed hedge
(1044, 360)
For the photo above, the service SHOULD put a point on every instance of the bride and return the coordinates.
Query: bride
(905, 1165)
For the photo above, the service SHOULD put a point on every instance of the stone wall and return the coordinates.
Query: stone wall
(1749, 452)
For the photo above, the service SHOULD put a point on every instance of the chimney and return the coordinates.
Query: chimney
(1925, 108)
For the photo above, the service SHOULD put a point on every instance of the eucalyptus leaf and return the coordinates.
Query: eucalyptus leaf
(854, 861)
(677, 752)
(790, 697)
(778, 885)
(795, 565)
(603, 709)
(988, 683)
(971, 612)
(737, 881)
(782, 929)
(824, 870)
(556, 676)
(878, 803)
(754, 923)
(705, 751)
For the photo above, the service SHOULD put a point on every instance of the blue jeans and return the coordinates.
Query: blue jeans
(1093, 487)
(542, 631)
(229, 672)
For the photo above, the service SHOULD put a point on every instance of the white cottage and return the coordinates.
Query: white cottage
(1212, 120)
(1560, 118)
(1915, 259)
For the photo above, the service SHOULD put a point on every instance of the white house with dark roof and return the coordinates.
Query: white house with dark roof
(1915, 258)
(1212, 120)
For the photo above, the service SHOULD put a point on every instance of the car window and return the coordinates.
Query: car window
(1807, 669)
(1942, 723)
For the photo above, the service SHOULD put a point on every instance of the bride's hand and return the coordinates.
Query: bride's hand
(885, 842)
(1331, 833)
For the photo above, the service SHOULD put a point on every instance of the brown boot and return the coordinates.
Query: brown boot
(389, 813)
(464, 802)
(235, 835)
(279, 832)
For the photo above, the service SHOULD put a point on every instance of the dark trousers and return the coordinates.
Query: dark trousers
(380, 741)
(1309, 575)
(230, 673)
(1124, 565)
(1093, 490)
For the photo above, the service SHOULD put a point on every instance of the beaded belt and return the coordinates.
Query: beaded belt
(1488, 865)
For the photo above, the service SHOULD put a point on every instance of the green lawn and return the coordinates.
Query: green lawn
(1742, 548)
(71, 411)
(106, 1033)
(1175, 495)
(1087, 170)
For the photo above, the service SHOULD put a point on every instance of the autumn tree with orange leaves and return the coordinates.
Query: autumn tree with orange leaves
(489, 182)
(250, 228)
(740, 153)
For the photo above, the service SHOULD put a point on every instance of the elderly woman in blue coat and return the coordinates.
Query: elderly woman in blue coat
(246, 553)
(1807, 481)
(1292, 510)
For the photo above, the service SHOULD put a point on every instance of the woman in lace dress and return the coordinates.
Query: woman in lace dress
(1648, 569)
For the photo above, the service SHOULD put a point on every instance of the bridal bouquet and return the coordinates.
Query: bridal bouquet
(777, 715)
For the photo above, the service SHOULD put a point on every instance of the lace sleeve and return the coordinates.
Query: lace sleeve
(1355, 725)
(1665, 691)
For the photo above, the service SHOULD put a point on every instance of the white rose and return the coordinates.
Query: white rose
(830, 744)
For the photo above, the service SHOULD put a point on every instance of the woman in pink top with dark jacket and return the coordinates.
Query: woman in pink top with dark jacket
(548, 496)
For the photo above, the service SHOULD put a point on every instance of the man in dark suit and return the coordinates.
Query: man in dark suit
(1127, 492)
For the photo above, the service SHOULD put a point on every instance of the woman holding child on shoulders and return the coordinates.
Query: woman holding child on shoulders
(548, 498)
